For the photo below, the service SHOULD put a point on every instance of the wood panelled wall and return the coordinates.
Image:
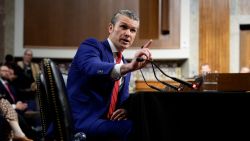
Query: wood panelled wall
(161, 41)
(214, 34)
(149, 19)
(165, 17)
(244, 48)
(66, 23)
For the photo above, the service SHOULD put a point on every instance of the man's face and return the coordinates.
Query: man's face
(244, 70)
(4, 72)
(205, 69)
(27, 56)
(123, 33)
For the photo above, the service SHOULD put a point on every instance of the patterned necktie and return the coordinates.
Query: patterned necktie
(7, 86)
(115, 90)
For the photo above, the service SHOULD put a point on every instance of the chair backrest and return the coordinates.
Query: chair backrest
(54, 106)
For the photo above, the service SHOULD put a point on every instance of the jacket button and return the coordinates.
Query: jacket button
(100, 72)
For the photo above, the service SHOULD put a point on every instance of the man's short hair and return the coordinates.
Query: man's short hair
(28, 50)
(126, 13)
(9, 58)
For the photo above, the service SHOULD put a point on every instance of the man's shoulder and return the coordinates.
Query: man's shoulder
(91, 40)
(20, 64)
(95, 41)
(35, 64)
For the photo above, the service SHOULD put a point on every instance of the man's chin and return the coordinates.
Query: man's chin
(125, 47)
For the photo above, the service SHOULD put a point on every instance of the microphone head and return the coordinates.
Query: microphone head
(194, 86)
(198, 82)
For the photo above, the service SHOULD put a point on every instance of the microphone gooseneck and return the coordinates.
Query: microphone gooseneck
(188, 84)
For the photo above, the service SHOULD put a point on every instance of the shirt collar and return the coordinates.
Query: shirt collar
(112, 46)
(3, 81)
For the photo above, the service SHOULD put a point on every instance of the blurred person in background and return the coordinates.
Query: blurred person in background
(9, 92)
(245, 70)
(26, 82)
(205, 69)
(9, 114)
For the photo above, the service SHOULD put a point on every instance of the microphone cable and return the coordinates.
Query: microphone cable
(151, 86)
(166, 84)
(190, 85)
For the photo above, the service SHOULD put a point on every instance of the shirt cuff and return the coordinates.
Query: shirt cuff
(14, 106)
(116, 72)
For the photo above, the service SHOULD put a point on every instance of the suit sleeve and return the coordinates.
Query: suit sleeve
(91, 60)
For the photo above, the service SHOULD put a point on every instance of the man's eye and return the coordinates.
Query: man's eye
(124, 26)
(133, 30)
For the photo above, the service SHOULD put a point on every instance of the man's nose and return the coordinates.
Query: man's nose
(127, 32)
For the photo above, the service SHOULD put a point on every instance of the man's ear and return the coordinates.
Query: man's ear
(111, 27)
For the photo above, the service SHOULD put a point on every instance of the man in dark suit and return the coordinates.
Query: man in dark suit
(98, 81)
(8, 90)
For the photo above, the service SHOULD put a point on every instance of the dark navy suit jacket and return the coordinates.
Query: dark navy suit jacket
(89, 84)
(6, 94)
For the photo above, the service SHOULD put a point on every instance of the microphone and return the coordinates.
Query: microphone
(188, 84)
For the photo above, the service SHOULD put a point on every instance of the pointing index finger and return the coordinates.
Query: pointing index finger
(147, 44)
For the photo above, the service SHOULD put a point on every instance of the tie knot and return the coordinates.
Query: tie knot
(119, 57)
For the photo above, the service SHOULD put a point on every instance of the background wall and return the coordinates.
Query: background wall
(239, 15)
(189, 32)
(51, 52)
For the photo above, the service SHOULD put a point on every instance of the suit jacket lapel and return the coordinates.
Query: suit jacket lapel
(108, 51)
(6, 93)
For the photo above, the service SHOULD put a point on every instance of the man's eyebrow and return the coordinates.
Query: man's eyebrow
(124, 23)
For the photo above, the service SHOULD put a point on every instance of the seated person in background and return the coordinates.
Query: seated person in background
(9, 59)
(7, 111)
(244, 70)
(9, 93)
(205, 69)
(10, 62)
(8, 90)
(98, 80)
(30, 71)
(31, 110)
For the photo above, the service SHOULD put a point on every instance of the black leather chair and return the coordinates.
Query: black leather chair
(54, 106)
